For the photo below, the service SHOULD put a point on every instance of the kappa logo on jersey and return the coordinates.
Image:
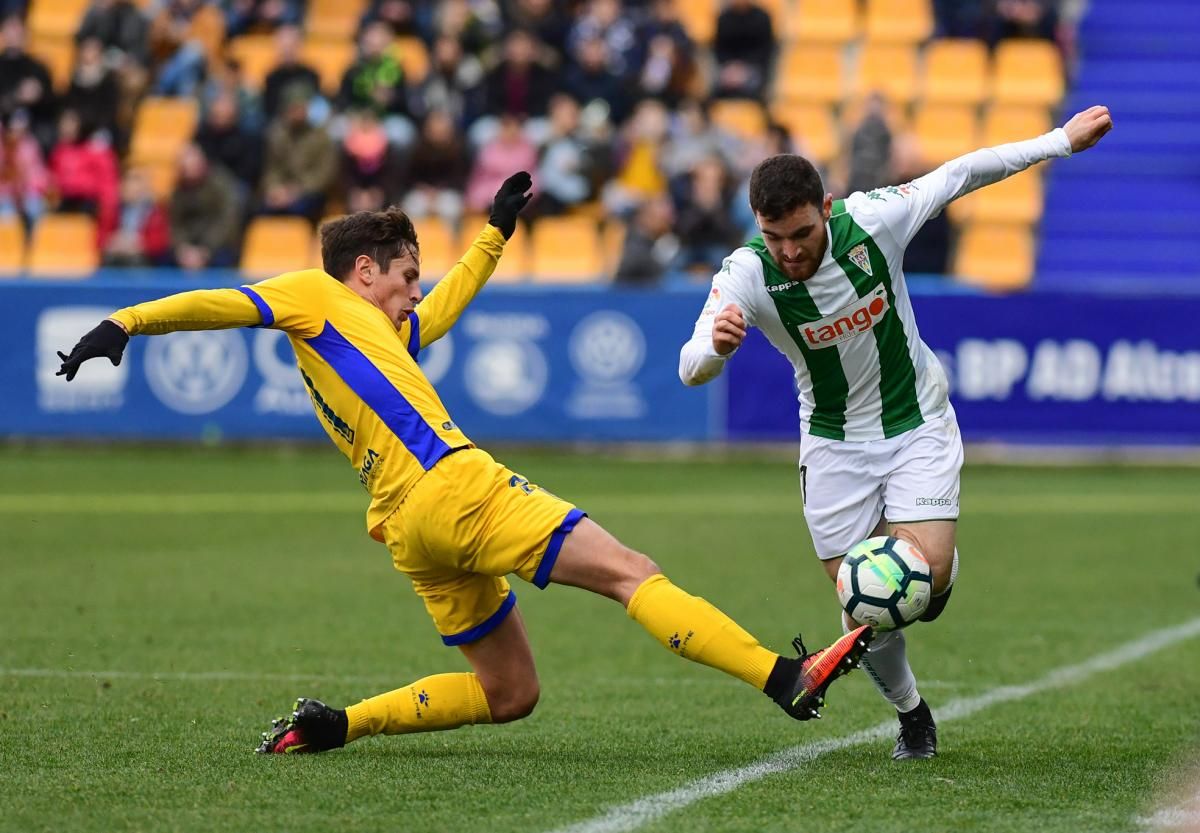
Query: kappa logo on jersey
(848, 322)
(861, 258)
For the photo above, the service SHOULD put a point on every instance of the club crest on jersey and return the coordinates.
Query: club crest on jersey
(847, 323)
(861, 258)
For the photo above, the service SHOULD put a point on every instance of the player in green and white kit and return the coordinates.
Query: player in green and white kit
(880, 452)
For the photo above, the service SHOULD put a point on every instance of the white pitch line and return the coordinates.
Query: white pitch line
(642, 811)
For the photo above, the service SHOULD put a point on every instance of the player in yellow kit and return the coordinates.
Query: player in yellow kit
(455, 521)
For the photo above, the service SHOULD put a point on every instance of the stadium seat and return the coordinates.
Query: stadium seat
(58, 55)
(514, 263)
(413, 56)
(898, 21)
(439, 249)
(565, 250)
(812, 126)
(276, 244)
(256, 54)
(745, 119)
(334, 20)
(823, 21)
(995, 256)
(612, 243)
(63, 246)
(1008, 123)
(12, 248)
(161, 128)
(812, 73)
(956, 72)
(58, 19)
(162, 176)
(889, 69)
(1027, 72)
(699, 18)
(330, 60)
(1016, 200)
(945, 131)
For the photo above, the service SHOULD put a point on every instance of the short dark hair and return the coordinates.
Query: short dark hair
(381, 235)
(781, 184)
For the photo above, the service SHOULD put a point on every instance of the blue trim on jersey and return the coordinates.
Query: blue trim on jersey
(486, 626)
(268, 315)
(542, 577)
(380, 395)
(414, 335)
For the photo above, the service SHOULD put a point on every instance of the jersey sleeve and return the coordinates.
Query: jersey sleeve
(905, 208)
(440, 309)
(200, 309)
(699, 362)
(293, 302)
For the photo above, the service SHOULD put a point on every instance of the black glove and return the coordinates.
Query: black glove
(509, 201)
(107, 339)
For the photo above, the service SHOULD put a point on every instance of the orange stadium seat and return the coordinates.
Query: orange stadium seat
(413, 56)
(812, 126)
(276, 244)
(56, 18)
(59, 57)
(898, 21)
(1016, 200)
(64, 246)
(161, 127)
(995, 256)
(612, 243)
(956, 72)
(745, 119)
(1008, 123)
(334, 20)
(256, 54)
(1027, 72)
(945, 131)
(823, 21)
(330, 60)
(514, 263)
(566, 250)
(889, 69)
(439, 249)
(12, 248)
(699, 18)
(811, 72)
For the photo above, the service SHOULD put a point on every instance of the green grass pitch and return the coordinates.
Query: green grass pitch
(207, 589)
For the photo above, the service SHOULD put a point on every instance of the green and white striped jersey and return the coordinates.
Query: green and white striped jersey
(862, 371)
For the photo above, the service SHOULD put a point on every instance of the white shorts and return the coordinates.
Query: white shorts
(848, 486)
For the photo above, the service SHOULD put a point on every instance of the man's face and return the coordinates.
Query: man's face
(797, 240)
(397, 290)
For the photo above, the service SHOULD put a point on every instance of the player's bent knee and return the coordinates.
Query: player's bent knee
(513, 702)
(936, 605)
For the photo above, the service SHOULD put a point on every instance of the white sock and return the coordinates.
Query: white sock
(886, 663)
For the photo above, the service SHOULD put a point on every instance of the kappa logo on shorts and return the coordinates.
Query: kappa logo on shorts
(849, 322)
(936, 501)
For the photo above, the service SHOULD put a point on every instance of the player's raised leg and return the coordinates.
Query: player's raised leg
(694, 629)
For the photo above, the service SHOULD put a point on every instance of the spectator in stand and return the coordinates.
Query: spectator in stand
(94, 92)
(590, 79)
(548, 23)
(24, 178)
(640, 173)
(124, 32)
(1024, 19)
(695, 138)
(401, 15)
(564, 167)
(870, 148)
(959, 18)
(205, 214)
(142, 236)
(650, 245)
(511, 150)
(301, 160)
(84, 172)
(437, 171)
(774, 141)
(368, 163)
(666, 56)
(242, 16)
(225, 142)
(289, 69)
(519, 86)
(376, 81)
(475, 24)
(706, 228)
(452, 85)
(743, 47)
(25, 83)
(182, 34)
(605, 20)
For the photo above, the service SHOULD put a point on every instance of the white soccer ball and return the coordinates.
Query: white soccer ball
(885, 583)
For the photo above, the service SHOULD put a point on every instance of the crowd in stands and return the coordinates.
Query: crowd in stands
(608, 102)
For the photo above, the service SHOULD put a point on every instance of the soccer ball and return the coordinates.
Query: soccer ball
(885, 583)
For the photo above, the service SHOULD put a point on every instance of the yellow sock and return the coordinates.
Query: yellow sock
(443, 701)
(694, 629)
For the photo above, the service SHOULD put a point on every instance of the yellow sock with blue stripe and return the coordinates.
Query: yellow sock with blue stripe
(694, 629)
(443, 701)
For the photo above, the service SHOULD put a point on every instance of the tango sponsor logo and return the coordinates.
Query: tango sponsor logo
(848, 322)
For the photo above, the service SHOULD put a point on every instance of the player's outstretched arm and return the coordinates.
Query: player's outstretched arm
(446, 302)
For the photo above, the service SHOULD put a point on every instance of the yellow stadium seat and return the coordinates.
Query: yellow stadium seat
(1027, 72)
(744, 119)
(995, 256)
(161, 127)
(12, 247)
(413, 56)
(956, 72)
(811, 72)
(812, 126)
(162, 176)
(56, 18)
(888, 69)
(330, 60)
(334, 20)
(1016, 200)
(699, 18)
(898, 21)
(513, 266)
(1008, 123)
(612, 243)
(276, 244)
(945, 131)
(566, 250)
(256, 54)
(58, 55)
(64, 246)
(439, 250)
(823, 21)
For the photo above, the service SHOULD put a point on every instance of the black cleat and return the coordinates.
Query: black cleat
(918, 734)
(803, 695)
(313, 727)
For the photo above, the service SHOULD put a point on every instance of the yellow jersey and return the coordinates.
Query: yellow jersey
(360, 371)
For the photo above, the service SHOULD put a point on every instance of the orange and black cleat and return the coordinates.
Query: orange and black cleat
(814, 673)
(312, 727)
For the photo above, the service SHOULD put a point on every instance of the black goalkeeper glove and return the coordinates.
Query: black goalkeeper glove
(107, 339)
(509, 201)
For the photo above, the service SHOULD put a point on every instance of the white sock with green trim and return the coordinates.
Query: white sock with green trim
(886, 663)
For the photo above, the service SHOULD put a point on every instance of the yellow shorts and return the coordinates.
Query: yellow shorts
(464, 526)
